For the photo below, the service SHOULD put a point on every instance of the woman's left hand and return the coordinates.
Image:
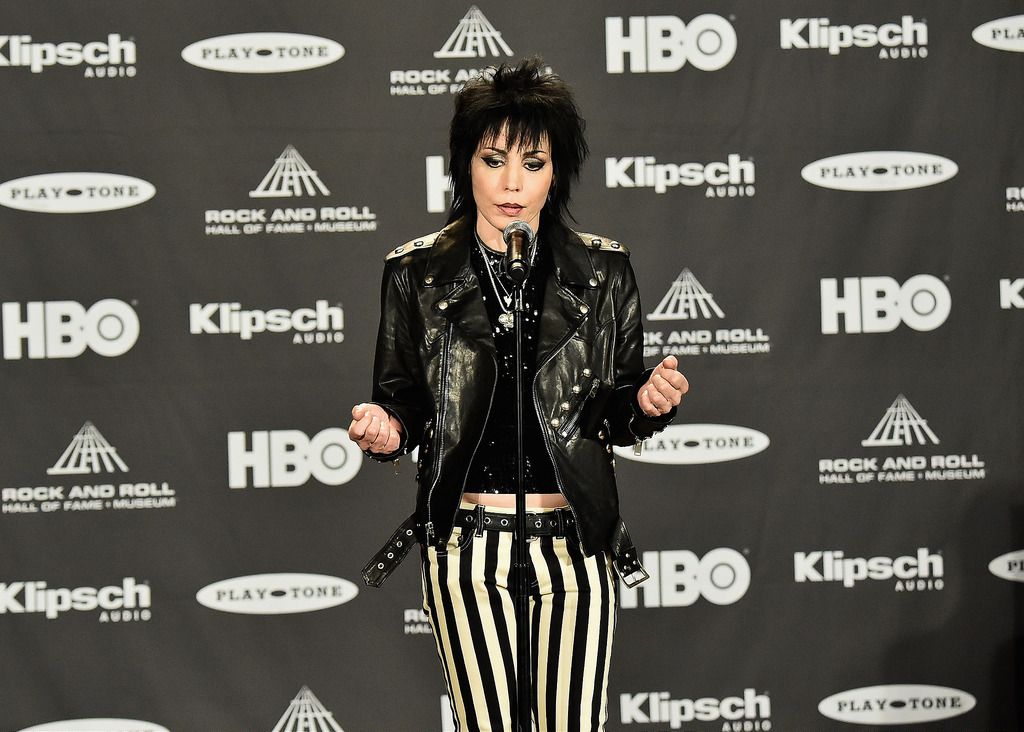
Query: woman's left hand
(664, 389)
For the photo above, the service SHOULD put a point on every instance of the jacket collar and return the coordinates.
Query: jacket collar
(449, 257)
(449, 270)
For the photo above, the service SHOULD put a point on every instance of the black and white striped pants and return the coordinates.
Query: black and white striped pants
(467, 594)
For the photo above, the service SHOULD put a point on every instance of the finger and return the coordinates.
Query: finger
(358, 411)
(646, 406)
(373, 429)
(381, 440)
(666, 389)
(660, 401)
(671, 363)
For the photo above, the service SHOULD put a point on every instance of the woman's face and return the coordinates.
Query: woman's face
(509, 185)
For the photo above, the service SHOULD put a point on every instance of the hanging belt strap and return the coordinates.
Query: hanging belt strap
(387, 559)
(625, 557)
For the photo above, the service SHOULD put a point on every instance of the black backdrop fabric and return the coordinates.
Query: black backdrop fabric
(823, 204)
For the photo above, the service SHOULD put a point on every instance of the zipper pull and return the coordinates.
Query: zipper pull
(397, 460)
(430, 532)
(638, 447)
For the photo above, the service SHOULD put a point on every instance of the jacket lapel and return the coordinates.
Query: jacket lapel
(457, 289)
(565, 295)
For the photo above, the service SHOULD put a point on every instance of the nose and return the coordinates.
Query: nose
(513, 178)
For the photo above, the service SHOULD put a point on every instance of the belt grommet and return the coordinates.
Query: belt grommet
(391, 555)
(487, 520)
(398, 544)
(408, 532)
(504, 522)
(380, 565)
(538, 524)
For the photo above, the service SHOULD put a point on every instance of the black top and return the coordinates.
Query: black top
(494, 466)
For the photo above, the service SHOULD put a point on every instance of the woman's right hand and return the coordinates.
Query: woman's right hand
(374, 429)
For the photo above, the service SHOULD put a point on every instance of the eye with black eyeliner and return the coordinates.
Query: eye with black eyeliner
(492, 161)
(534, 165)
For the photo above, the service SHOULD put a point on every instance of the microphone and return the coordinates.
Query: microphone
(519, 238)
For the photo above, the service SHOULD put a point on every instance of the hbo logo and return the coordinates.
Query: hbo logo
(665, 43)
(64, 329)
(680, 578)
(282, 458)
(880, 304)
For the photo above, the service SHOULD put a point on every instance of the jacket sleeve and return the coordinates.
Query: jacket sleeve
(627, 421)
(398, 380)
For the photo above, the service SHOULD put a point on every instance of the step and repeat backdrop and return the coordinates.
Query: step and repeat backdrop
(824, 202)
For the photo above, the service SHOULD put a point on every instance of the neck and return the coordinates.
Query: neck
(491, 237)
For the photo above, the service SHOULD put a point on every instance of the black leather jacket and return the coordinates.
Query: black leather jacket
(435, 372)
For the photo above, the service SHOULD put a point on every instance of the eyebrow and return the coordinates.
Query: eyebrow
(505, 152)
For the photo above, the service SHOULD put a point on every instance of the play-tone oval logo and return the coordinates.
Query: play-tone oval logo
(693, 444)
(277, 594)
(1008, 566)
(97, 725)
(1004, 34)
(263, 53)
(75, 192)
(896, 704)
(883, 170)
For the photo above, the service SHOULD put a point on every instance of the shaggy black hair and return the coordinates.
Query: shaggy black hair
(528, 102)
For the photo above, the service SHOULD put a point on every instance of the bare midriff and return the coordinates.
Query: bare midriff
(508, 500)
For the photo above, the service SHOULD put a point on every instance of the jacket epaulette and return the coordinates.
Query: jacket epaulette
(421, 242)
(594, 241)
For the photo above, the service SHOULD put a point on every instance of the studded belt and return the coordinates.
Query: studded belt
(557, 523)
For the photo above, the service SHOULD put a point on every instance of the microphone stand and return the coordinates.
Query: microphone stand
(521, 565)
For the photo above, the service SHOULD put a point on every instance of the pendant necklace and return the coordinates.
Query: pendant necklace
(505, 318)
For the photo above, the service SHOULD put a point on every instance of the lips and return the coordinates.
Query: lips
(510, 209)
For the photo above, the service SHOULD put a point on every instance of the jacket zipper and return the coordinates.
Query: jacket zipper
(439, 429)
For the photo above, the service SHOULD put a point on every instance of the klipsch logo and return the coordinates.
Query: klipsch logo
(678, 578)
(1011, 293)
(128, 602)
(663, 43)
(114, 57)
(1004, 34)
(729, 178)
(74, 192)
(65, 328)
(694, 444)
(906, 39)
(322, 323)
(885, 170)
(263, 53)
(913, 573)
(896, 704)
(750, 712)
(1008, 566)
(88, 454)
(473, 39)
(97, 725)
(881, 304)
(306, 712)
(276, 594)
(283, 458)
(901, 426)
(687, 300)
(290, 177)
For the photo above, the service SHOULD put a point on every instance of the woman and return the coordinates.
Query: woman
(444, 381)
